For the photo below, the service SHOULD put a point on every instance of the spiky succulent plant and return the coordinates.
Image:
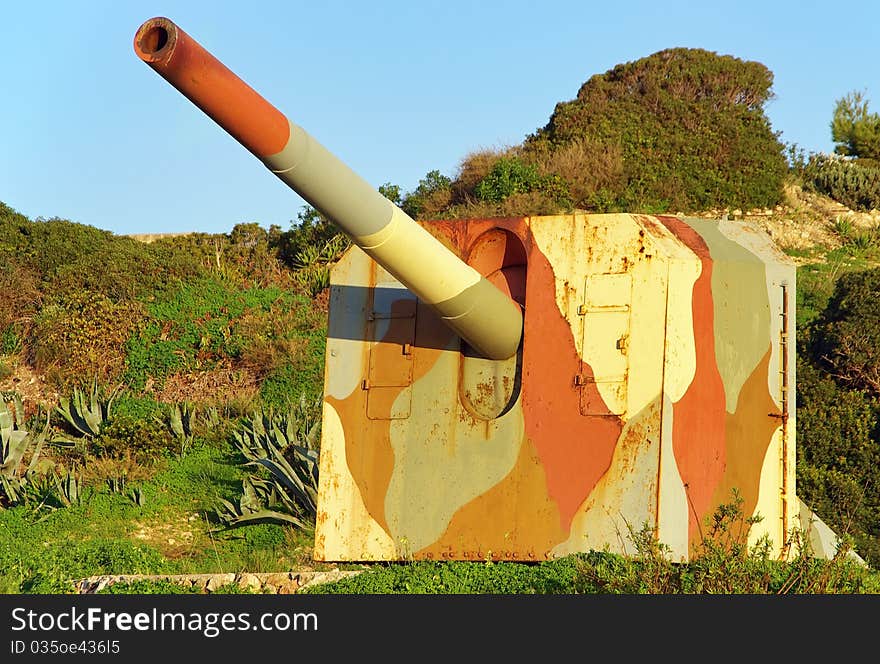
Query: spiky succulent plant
(285, 445)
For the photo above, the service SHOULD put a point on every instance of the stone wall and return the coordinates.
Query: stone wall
(280, 583)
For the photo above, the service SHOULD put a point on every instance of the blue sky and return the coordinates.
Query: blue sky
(395, 89)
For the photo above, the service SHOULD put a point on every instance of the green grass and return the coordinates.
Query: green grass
(108, 533)
(605, 573)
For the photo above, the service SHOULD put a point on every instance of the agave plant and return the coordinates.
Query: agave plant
(181, 418)
(15, 442)
(285, 445)
(137, 496)
(68, 489)
(210, 418)
(262, 501)
(312, 263)
(87, 413)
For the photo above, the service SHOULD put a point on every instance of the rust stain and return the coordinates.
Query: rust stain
(482, 396)
(652, 224)
(641, 430)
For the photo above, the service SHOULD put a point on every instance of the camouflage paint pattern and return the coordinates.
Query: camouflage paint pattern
(524, 388)
(648, 386)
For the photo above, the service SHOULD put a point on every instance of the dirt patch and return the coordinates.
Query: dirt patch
(790, 233)
(175, 539)
(30, 385)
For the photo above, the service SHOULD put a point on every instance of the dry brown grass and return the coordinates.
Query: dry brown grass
(434, 203)
(586, 165)
(20, 295)
(30, 385)
(96, 470)
(516, 205)
(215, 386)
(473, 168)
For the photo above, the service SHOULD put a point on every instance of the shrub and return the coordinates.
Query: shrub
(312, 230)
(432, 194)
(855, 183)
(147, 439)
(510, 176)
(301, 374)
(838, 457)
(21, 297)
(84, 335)
(458, 577)
(593, 170)
(211, 321)
(68, 258)
(472, 169)
(846, 336)
(690, 128)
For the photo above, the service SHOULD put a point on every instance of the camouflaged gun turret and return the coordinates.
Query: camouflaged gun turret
(524, 388)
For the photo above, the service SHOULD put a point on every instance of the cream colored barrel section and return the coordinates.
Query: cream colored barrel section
(475, 309)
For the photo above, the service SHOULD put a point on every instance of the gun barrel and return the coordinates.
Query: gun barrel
(474, 308)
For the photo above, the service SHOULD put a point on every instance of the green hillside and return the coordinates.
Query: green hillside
(141, 377)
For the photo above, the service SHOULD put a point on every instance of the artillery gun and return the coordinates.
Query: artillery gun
(520, 389)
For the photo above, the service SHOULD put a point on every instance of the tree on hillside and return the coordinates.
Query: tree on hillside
(689, 128)
(854, 130)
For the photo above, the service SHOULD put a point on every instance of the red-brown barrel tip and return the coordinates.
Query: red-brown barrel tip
(155, 39)
(210, 85)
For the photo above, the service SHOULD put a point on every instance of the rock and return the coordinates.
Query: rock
(325, 577)
(249, 582)
(218, 580)
(277, 578)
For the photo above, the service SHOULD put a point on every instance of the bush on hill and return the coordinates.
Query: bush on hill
(838, 412)
(690, 128)
(680, 130)
(853, 182)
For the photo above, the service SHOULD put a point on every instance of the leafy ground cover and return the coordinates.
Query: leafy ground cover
(172, 531)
